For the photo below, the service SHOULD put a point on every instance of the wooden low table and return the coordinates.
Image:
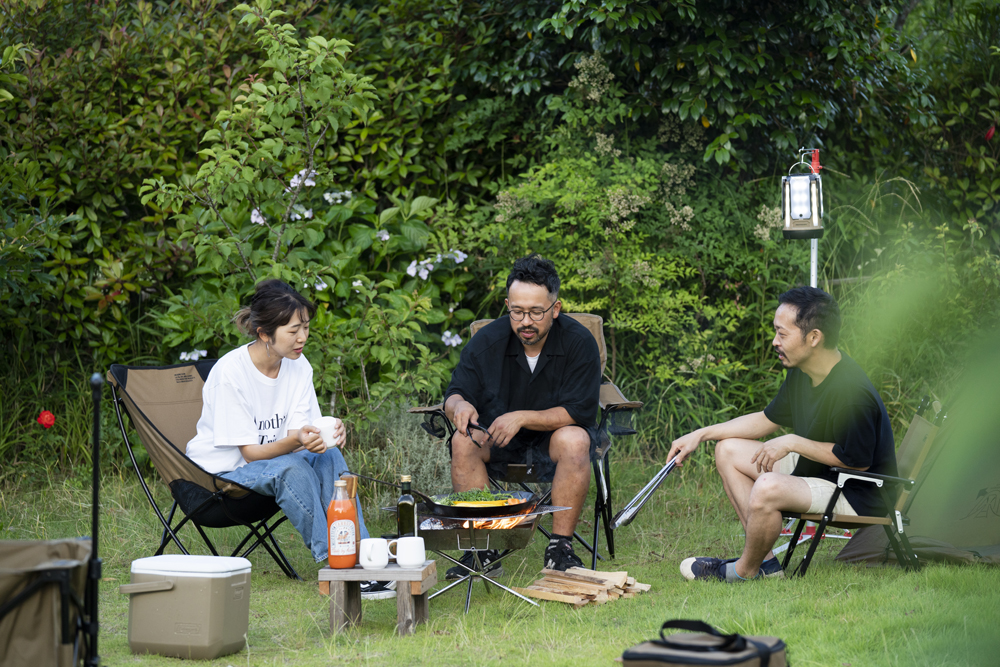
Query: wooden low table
(344, 589)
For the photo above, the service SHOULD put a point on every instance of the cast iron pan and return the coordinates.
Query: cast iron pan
(527, 502)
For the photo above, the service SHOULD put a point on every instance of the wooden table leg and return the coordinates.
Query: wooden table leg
(411, 607)
(345, 604)
(406, 613)
(421, 609)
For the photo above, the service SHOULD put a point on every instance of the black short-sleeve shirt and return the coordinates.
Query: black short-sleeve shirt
(844, 409)
(494, 376)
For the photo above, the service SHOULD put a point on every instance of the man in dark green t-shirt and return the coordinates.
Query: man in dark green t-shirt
(837, 419)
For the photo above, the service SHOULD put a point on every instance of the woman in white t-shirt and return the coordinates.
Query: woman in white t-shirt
(259, 406)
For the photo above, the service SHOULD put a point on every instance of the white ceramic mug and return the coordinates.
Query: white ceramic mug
(327, 427)
(373, 553)
(409, 552)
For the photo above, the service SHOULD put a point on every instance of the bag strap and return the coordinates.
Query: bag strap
(730, 644)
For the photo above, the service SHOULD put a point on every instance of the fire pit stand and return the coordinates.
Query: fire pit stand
(460, 534)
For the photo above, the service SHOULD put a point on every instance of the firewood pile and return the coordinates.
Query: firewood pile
(579, 587)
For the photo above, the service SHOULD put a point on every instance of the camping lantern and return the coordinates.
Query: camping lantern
(802, 199)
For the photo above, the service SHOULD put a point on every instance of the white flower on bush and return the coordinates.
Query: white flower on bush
(299, 212)
(304, 177)
(357, 283)
(382, 235)
(256, 217)
(320, 285)
(424, 267)
(450, 339)
(193, 355)
(337, 197)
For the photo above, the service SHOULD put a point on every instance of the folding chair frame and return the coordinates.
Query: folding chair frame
(264, 539)
(893, 525)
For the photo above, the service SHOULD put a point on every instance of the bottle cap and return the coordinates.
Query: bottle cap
(405, 478)
(340, 482)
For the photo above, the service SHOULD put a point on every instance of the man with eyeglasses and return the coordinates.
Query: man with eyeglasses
(526, 391)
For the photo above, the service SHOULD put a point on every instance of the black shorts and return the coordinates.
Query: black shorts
(530, 448)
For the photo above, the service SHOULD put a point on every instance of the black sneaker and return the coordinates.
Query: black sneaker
(377, 590)
(486, 558)
(559, 555)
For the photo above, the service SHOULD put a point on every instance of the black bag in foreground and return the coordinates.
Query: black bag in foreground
(709, 647)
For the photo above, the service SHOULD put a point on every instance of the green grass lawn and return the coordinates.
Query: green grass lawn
(838, 615)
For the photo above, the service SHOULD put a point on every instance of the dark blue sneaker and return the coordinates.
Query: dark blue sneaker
(713, 568)
(772, 569)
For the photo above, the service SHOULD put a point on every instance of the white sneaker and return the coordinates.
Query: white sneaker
(378, 590)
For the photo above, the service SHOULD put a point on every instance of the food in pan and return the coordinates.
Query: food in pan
(478, 498)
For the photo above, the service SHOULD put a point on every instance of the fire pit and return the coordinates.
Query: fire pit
(505, 533)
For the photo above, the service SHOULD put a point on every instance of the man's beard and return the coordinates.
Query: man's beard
(535, 340)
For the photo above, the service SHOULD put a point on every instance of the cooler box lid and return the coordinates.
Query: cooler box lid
(191, 566)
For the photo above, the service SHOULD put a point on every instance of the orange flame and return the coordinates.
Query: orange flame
(496, 524)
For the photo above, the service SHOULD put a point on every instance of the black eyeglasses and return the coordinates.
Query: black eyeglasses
(535, 315)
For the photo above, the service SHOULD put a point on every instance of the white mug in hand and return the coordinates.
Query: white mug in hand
(373, 553)
(409, 552)
(327, 427)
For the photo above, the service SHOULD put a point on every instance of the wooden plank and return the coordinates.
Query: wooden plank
(587, 579)
(572, 586)
(610, 578)
(553, 597)
(324, 588)
(421, 587)
(538, 587)
(642, 588)
(576, 582)
(345, 605)
(391, 572)
(630, 581)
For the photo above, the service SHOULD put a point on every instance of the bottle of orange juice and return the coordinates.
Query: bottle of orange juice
(342, 525)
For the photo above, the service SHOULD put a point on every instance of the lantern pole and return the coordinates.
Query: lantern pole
(813, 262)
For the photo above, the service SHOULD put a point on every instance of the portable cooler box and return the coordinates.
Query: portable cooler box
(188, 606)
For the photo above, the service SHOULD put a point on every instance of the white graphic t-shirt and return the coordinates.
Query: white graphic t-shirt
(242, 406)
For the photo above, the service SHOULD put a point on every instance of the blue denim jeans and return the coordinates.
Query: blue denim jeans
(302, 485)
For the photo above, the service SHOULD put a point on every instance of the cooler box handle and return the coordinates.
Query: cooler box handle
(146, 587)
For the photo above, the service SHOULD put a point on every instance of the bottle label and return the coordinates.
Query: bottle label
(342, 538)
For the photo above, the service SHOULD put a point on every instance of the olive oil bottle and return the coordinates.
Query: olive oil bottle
(406, 511)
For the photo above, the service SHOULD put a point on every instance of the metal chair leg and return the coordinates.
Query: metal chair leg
(820, 529)
(791, 545)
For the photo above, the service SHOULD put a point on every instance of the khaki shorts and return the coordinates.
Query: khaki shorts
(822, 490)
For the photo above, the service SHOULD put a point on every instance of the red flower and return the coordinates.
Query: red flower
(990, 132)
(46, 419)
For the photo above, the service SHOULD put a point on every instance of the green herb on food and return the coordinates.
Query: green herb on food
(473, 496)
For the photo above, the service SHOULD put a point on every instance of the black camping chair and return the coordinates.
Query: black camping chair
(616, 420)
(48, 589)
(910, 458)
(164, 404)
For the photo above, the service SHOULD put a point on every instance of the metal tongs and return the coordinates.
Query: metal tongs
(624, 517)
(468, 432)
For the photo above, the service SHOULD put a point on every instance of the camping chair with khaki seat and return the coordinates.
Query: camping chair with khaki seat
(49, 588)
(910, 457)
(164, 404)
(616, 420)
